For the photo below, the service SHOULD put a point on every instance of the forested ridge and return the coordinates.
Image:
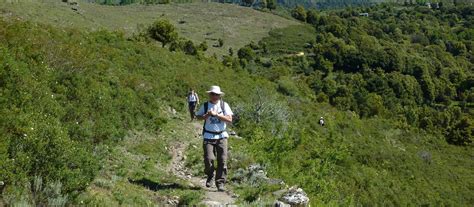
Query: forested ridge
(412, 64)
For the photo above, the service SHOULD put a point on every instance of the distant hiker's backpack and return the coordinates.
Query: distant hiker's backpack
(206, 107)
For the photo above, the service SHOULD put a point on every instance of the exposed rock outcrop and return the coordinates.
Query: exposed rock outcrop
(293, 197)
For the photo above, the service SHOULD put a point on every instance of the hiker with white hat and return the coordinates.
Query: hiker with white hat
(216, 115)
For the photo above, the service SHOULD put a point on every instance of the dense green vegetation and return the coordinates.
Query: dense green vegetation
(392, 87)
(409, 63)
(407, 71)
(66, 93)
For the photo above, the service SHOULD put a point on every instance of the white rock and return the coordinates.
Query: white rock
(295, 197)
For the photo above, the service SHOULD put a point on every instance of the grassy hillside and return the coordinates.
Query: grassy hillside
(68, 95)
(86, 117)
(375, 68)
(199, 22)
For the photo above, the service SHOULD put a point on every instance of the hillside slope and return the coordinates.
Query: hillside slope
(73, 102)
(91, 114)
(236, 25)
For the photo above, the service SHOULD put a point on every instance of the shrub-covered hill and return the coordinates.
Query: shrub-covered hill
(66, 93)
(412, 64)
(199, 22)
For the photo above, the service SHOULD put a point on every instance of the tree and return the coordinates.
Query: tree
(312, 17)
(456, 48)
(299, 13)
(428, 87)
(374, 105)
(230, 61)
(462, 133)
(163, 31)
(271, 4)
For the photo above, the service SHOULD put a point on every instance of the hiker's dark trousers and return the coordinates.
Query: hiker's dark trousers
(215, 149)
(192, 108)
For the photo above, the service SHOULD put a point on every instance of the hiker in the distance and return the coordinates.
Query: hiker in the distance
(217, 114)
(193, 101)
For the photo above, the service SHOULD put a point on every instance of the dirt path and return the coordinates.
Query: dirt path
(177, 166)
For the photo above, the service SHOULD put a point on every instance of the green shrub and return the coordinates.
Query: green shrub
(271, 4)
(220, 42)
(177, 45)
(287, 86)
(246, 53)
(203, 46)
(322, 98)
(299, 13)
(462, 133)
(190, 48)
(264, 110)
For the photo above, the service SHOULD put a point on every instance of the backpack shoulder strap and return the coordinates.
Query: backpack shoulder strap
(223, 106)
(206, 106)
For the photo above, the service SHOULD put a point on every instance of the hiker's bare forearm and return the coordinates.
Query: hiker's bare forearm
(202, 117)
(227, 118)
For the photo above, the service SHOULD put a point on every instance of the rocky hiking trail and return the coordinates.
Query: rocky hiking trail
(177, 167)
(254, 174)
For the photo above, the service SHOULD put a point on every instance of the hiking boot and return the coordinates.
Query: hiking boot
(209, 182)
(220, 187)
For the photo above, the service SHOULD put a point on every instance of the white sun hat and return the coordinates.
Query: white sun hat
(216, 90)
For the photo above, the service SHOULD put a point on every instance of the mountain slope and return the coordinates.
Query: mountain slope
(199, 22)
(93, 115)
